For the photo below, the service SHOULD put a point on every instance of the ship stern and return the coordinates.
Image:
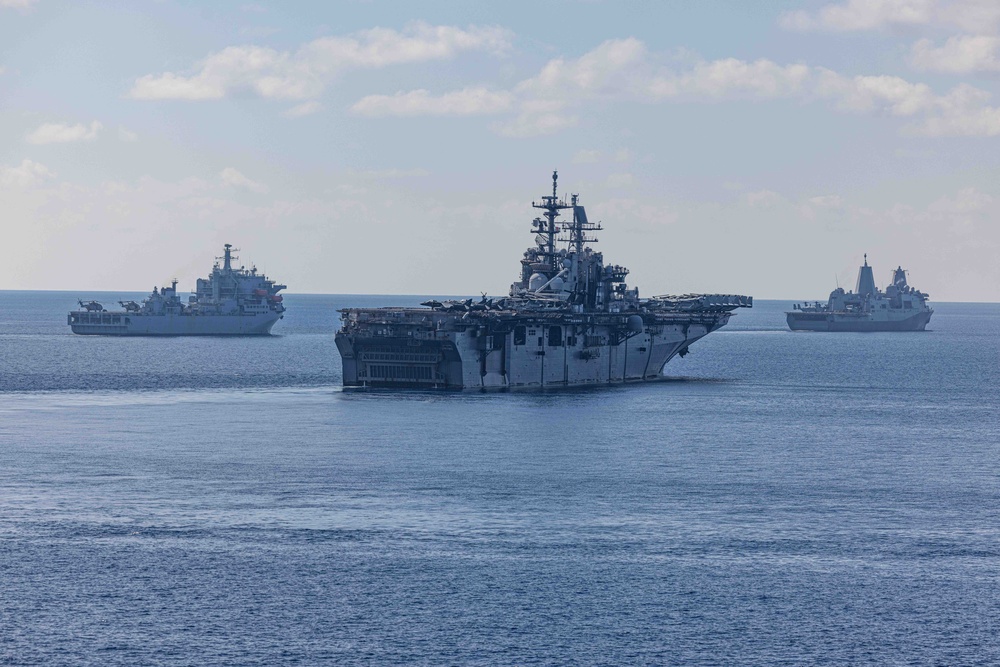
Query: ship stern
(399, 362)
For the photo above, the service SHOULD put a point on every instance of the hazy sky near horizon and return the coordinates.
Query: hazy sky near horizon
(395, 147)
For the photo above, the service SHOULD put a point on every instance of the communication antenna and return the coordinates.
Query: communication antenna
(228, 256)
(547, 227)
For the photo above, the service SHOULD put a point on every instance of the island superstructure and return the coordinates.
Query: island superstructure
(899, 308)
(569, 320)
(230, 302)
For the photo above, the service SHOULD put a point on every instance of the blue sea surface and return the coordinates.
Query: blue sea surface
(783, 499)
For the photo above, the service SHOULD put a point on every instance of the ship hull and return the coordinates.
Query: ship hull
(833, 322)
(545, 354)
(131, 324)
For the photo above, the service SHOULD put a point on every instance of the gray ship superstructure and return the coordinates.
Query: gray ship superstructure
(230, 302)
(899, 308)
(570, 320)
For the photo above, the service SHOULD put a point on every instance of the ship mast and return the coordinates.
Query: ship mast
(227, 257)
(578, 231)
(547, 227)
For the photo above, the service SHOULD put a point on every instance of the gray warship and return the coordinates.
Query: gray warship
(570, 320)
(230, 302)
(899, 308)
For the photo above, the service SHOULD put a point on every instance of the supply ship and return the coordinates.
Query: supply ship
(899, 308)
(230, 302)
(570, 320)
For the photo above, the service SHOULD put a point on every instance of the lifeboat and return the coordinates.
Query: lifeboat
(260, 292)
(276, 298)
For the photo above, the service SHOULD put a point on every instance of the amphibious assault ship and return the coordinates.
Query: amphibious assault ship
(230, 302)
(898, 308)
(570, 320)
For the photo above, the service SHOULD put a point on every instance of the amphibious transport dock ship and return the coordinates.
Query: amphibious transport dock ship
(570, 320)
(230, 302)
(898, 308)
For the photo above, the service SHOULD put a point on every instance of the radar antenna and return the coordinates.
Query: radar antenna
(547, 227)
(228, 256)
(578, 231)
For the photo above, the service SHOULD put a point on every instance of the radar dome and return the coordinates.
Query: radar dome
(536, 280)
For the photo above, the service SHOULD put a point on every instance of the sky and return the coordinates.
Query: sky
(384, 147)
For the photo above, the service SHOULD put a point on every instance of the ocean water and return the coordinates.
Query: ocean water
(784, 499)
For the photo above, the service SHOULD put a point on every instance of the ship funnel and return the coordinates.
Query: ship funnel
(866, 281)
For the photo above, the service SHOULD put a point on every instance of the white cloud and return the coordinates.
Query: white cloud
(967, 200)
(391, 173)
(231, 176)
(465, 102)
(586, 157)
(615, 70)
(763, 199)
(963, 112)
(624, 71)
(861, 15)
(620, 180)
(305, 73)
(611, 68)
(17, 4)
(955, 227)
(827, 201)
(258, 31)
(889, 94)
(961, 54)
(304, 109)
(125, 134)
(60, 133)
(976, 16)
(976, 51)
(24, 175)
(536, 118)
(622, 155)
(729, 77)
